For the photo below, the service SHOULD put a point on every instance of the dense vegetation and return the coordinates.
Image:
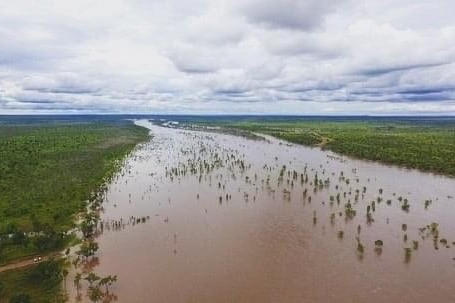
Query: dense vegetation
(38, 283)
(48, 171)
(425, 145)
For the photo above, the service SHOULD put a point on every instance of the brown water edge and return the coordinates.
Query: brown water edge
(263, 245)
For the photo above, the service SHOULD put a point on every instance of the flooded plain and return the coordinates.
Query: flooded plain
(205, 217)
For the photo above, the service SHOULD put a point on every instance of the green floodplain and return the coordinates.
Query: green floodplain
(49, 170)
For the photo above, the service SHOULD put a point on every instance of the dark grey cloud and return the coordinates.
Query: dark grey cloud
(41, 102)
(64, 90)
(194, 68)
(291, 14)
(435, 97)
(320, 86)
(426, 91)
(381, 70)
(231, 91)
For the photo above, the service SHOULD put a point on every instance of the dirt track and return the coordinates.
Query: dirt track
(27, 262)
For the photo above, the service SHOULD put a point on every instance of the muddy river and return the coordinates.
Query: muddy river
(206, 217)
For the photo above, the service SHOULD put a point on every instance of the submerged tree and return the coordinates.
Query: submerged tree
(95, 294)
(107, 282)
(77, 282)
(64, 275)
(407, 254)
(92, 278)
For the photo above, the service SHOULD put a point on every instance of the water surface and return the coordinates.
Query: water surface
(220, 225)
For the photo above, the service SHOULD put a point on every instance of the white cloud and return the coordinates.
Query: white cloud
(305, 56)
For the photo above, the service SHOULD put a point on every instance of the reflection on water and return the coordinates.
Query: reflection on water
(200, 217)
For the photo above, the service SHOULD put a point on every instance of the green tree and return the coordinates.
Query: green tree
(20, 298)
(88, 248)
(2, 247)
(19, 238)
(46, 273)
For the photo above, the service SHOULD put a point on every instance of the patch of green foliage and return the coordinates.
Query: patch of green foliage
(48, 172)
(38, 283)
(425, 145)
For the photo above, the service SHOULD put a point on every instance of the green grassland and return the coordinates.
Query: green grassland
(413, 144)
(48, 172)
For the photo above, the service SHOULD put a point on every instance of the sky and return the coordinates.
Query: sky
(303, 57)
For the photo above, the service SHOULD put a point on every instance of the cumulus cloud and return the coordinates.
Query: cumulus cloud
(219, 56)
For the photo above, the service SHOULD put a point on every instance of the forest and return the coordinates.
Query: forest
(48, 173)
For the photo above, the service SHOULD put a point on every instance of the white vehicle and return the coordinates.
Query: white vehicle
(36, 259)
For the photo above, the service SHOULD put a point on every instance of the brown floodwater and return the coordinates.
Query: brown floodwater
(266, 241)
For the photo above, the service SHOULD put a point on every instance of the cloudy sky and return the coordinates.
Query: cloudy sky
(233, 57)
